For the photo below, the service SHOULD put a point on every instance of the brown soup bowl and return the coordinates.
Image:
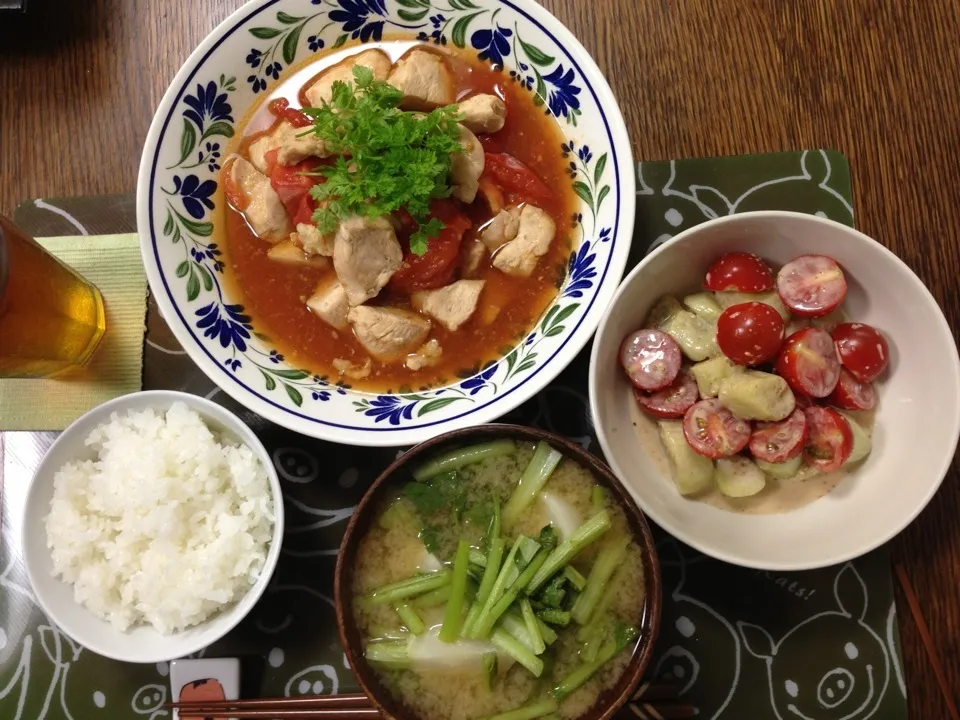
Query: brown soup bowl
(400, 471)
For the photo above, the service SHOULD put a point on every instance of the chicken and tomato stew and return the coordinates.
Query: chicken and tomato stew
(398, 217)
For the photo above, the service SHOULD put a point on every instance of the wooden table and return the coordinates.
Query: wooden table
(879, 81)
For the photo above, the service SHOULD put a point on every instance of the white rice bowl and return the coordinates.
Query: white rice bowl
(166, 526)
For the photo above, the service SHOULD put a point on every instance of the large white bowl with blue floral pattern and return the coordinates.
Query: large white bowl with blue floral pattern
(197, 118)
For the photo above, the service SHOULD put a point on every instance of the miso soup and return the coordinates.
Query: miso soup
(500, 580)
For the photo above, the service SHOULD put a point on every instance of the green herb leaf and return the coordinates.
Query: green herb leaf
(548, 537)
(426, 498)
(553, 593)
(430, 537)
(388, 159)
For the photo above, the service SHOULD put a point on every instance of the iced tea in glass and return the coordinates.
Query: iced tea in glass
(51, 319)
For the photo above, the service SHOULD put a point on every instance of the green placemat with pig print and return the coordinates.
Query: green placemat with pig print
(741, 644)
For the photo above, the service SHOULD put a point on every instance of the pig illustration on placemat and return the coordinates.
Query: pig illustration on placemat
(816, 645)
(831, 666)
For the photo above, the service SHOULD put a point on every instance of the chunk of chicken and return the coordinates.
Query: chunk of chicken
(452, 305)
(502, 229)
(388, 333)
(466, 167)
(483, 113)
(491, 194)
(366, 254)
(291, 145)
(519, 256)
(290, 253)
(428, 354)
(473, 254)
(352, 370)
(315, 242)
(329, 303)
(264, 211)
(321, 92)
(424, 79)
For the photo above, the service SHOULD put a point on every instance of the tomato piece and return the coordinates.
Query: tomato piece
(277, 106)
(739, 272)
(650, 358)
(812, 285)
(712, 430)
(514, 176)
(809, 362)
(777, 442)
(750, 333)
(281, 108)
(672, 401)
(851, 394)
(830, 441)
(435, 267)
(289, 182)
(862, 349)
(304, 214)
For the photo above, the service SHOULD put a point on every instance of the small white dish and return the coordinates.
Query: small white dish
(142, 644)
(917, 421)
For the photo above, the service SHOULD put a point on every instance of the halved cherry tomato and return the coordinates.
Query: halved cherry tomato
(672, 401)
(777, 442)
(750, 333)
(851, 394)
(862, 350)
(809, 363)
(811, 285)
(513, 176)
(650, 358)
(713, 431)
(281, 108)
(831, 439)
(740, 272)
(435, 267)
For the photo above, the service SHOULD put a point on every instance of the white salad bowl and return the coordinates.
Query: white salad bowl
(237, 64)
(142, 644)
(917, 419)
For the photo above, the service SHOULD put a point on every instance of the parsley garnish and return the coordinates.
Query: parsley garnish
(387, 159)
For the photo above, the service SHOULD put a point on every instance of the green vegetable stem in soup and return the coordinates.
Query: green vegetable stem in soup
(397, 215)
(499, 581)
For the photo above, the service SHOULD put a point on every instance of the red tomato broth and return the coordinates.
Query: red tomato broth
(274, 294)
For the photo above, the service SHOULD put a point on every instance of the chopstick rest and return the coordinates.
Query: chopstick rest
(204, 680)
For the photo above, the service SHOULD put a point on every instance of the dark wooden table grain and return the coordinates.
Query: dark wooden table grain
(877, 80)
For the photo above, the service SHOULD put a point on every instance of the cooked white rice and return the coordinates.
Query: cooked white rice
(166, 526)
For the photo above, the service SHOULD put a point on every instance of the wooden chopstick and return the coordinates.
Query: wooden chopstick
(651, 700)
(349, 700)
(370, 713)
(356, 706)
(926, 639)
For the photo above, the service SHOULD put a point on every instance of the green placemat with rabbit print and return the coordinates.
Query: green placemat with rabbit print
(741, 644)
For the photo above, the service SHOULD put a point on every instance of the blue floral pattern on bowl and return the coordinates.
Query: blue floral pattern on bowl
(193, 134)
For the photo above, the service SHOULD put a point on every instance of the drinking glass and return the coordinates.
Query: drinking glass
(51, 319)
